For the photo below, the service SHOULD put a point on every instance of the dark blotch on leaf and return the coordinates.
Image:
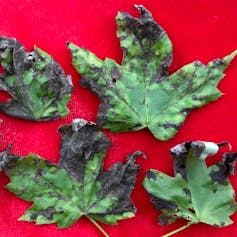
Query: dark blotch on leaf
(187, 191)
(151, 175)
(48, 214)
(161, 204)
(8, 160)
(163, 220)
(225, 168)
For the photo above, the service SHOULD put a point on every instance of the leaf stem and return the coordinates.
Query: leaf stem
(179, 229)
(98, 226)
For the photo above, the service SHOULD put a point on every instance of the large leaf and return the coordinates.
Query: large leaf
(140, 93)
(37, 84)
(77, 185)
(196, 193)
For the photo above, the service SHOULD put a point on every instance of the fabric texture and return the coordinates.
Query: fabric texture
(198, 29)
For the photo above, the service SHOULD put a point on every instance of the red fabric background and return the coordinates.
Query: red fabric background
(199, 29)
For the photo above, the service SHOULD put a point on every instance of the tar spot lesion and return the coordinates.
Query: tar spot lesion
(48, 214)
(40, 172)
(151, 175)
(171, 125)
(222, 224)
(197, 63)
(187, 191)
(218, 62)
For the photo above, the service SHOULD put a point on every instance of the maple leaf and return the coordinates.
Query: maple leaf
(77, 185)
(140, 93)
(37, 84)
(196, 193)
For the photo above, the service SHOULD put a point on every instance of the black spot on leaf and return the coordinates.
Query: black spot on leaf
(151, 175)
(225, 168)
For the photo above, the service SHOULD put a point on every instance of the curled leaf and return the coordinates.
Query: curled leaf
(197, 193)
(140, 93)
(37, 84)
(62, 193)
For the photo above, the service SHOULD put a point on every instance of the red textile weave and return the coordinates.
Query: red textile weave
(199, 29)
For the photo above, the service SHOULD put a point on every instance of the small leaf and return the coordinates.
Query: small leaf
(196, 193)
(76, 186)
(140, 93)
(37, 84)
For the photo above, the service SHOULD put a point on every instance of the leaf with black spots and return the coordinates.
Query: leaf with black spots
(62, 193)
(197, 193)
(140, 93)
(37, 84)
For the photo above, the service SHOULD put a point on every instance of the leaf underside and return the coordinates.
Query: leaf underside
(140, 93)
(37, 84)
(76, 186)
(196, 193)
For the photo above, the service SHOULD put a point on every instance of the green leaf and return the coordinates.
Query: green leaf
(140, 93)
(76, 186)
(196, 193)
(37, 84)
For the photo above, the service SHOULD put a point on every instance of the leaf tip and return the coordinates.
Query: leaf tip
(79, 123)
(130, 214)
(135, 155)
(37, 49)
(230, 57)
(71, 46)
(224, 143)
(24, 217)
(140, 8)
